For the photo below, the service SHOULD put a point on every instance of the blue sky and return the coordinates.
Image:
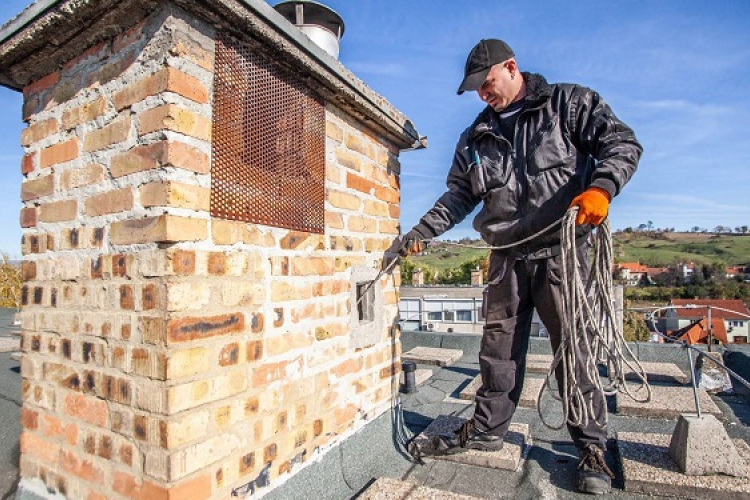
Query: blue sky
(676, 71)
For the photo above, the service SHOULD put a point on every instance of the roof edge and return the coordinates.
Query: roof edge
(340, 86)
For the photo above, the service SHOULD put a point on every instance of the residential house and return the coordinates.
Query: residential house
(733, 327)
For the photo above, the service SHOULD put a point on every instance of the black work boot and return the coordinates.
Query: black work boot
(467, 437)
(593, 474)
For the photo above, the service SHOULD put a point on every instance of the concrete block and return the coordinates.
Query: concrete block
(509, 458)
(387, 488)
(648, 469)
(711, 376)
(660, 372)
(422, 375)
(529, 394)
(10, 344)
(666, 402)
(538, 363)
(432, 356)
(701, 446)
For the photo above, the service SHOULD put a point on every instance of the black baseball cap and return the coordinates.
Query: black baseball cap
(482, 57)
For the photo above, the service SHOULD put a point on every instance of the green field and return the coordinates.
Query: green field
(649, 248)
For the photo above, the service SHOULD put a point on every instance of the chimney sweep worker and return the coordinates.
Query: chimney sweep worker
(534, 151)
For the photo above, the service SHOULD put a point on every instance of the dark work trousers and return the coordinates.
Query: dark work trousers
(515, 288)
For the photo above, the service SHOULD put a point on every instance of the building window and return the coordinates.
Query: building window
(365, 302)
(268, 156)
(463, 316)
(435, 316)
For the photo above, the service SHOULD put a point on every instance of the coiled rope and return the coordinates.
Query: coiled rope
(589, 332)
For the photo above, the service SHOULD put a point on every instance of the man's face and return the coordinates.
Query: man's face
(498, 90)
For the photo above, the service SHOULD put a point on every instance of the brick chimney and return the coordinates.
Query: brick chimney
(417, 277)
(477, 277)
(191, 324)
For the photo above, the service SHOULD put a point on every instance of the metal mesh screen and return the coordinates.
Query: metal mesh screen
(268, 143)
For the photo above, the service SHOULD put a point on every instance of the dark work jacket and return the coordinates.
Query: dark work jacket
(566, 139)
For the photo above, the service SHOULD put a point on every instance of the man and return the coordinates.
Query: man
(534, 151)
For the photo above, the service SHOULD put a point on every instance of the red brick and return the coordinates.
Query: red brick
(81, 468)
(27, 163)
(39, 448)
(183, 262)
(28, 217)
(93, 411)
(359, 183)
(38, 131)
(165, 80)
(110, 202)
(29, 419)
(159, 229)
(115, 132)
(44, 83)
(126, 484)
(187, 329)
(177, 119)
(59, 153)
(58, 211)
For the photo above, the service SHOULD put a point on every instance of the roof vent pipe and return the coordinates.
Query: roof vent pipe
(320, 23)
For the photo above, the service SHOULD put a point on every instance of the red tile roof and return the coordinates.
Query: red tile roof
(633, 267)
(739, 308)
(697, 333)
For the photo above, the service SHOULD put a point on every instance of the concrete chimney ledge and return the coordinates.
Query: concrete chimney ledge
(48, 34)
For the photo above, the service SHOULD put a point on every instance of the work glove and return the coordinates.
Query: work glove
(593, 205)
(411, 243)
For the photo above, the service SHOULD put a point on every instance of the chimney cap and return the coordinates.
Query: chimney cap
(314, 13)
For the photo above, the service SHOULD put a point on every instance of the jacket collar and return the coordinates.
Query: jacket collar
(537, 91)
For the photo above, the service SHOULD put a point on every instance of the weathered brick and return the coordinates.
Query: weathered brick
(334, 131)
(126, 484)
(389, 227)
(355, 143)
(348, 159)
(188, 295)
(361, 184)
(160, 154)
(183, 262)
(27, 163)
(28, 217)
(333, 173)
(225, 232)
(59, 153)
(41, 449)
(242, 293)
(285, 291)
(42, 84)
(38, 187)
(312, 266)
(177, 119)
(114, 133)
(38, 131)
(160, 229)
(187, 429)
(110, 202)
(93, 411)
(334, 220)
(297, 240)
(362, 224)
(84, 113)
(58, 211)
(187, 362)
(165, 80)
(339, 199)
(192, 328)
(51, 426)
(387, 194)
(188, 48)
(82, 468)
(83, 176)
(175, 194)
(376, 208)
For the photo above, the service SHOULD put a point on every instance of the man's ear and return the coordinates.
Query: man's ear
(511, 65)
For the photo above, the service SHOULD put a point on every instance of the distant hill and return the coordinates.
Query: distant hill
(649, 248)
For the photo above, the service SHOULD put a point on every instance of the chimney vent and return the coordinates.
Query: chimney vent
(320, 23)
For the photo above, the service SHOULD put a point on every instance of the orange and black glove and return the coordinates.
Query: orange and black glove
(593, 205)
(411, 243)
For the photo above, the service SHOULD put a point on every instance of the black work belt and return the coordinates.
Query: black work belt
(544, 253)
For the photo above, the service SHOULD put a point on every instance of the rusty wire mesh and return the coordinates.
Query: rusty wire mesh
(268, 143)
